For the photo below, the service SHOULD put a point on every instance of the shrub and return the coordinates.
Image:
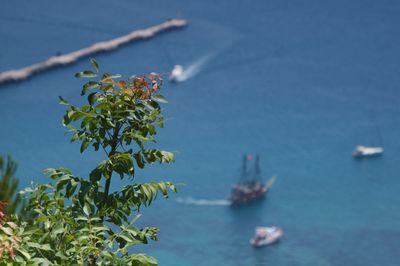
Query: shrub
(79, 221)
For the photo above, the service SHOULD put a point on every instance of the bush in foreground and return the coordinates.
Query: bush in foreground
(79, 221)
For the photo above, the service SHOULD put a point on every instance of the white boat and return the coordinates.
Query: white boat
(176, 73)
(362, 151)
(266, 236)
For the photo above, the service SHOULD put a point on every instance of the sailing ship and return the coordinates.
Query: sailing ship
(250, 186)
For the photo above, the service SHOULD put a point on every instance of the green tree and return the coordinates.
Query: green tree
(80, 221)
(9, 184)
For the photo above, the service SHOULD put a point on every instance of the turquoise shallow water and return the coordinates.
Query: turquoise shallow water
(295, 81)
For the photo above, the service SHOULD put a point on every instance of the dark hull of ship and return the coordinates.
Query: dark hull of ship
(246, 199)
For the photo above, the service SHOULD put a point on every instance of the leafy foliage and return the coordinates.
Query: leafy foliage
(78, 220)
(9, 184)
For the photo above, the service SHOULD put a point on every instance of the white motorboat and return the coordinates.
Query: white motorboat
(362, 151)
(266, 236)
(176, 73)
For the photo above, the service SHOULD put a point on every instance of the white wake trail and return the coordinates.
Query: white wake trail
(194, 68)
(203, 202)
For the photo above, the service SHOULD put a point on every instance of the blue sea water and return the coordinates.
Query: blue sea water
(299, 82)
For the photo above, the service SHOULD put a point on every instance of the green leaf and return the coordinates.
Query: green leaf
(94, 64)
(163, 188)
(115, 76)
(154, 155)
(46, 247)
(88, 86)
(111, 124)
(62, 182)
(144, 260)
(92, 98)
(100, 228)
(57, 229)
(81, 218)
(146, 191)
(12, 225)
(71, 187)
(62, 101)
(159, 98)
(167, 157)
(108, 79)
(41, 261)
(136, 218)
(172, 186)
(7, 230)
(139, 159)
(84, 145)
(161, 122)
(95, 175)
(86, 74)
(39, 246)
(127, 238)
(86, 209)
(24, 253)
(152, 129)
(107, 255)
(33, 244)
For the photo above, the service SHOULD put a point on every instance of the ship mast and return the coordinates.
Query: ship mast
(243, 177)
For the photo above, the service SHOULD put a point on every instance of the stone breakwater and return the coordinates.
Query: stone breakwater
(60, 60)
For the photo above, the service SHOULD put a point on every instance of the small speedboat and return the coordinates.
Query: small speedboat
(176, 73)
(266, 236)
(362, 151)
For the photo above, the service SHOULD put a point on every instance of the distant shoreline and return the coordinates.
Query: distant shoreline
(60, 60)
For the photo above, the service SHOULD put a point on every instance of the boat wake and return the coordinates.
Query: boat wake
(193, 69)
(203, 202)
